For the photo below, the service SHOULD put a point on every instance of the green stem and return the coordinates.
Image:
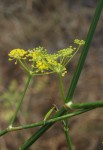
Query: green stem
(85, 51)
(84, 105)
(23, 66)
(66, 130)
(49, 121)
(3, 132)
(21, 100)
(73, 55)
(9, 129)
(31, 140)
(65, 122)
(73, 84)
(61, 86)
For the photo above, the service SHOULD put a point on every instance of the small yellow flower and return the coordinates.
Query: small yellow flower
(17, 54)
(63, 74)
(41, 66)
(41, 62)
(66, 52)
(36, 54)
(79, 42)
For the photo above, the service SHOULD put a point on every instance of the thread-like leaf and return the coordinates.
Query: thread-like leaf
(48, 114)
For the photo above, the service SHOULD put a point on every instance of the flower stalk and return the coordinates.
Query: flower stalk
(61, 86)
(20, 102)
(65, 122)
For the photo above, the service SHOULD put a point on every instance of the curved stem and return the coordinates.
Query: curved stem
(20, 102)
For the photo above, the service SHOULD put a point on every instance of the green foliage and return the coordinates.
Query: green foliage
(48, 114)
(11, 94)
(9, 98)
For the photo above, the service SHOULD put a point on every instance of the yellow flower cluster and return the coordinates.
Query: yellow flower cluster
(17, 54)
(41, 66)
(38, 61)
(79, 42)
(66, 52)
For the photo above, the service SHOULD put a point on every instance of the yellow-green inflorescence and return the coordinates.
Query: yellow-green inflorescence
(38, 61)
(17, 54)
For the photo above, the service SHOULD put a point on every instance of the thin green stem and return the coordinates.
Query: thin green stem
(84, 105)
(64, 61)
(21, 100)
(3, 132)
(66, 130)
(50, 120)
(84, 108)
(65, 121)
(44, 73)
(23, 66)
(72, 55)
(85, 51)
(31, 140)
(61, 86)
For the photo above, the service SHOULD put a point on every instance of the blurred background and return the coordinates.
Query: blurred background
(54, 25)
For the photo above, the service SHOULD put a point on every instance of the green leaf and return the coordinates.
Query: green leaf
(48, 113)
